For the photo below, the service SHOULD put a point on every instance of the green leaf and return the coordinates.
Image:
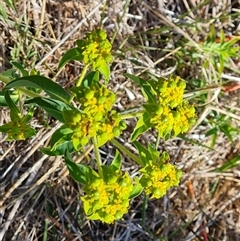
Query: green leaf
(137, 190)
(151, 108)
(235, 161)
(228, 130)
(20, 67)
(233, 41)
(101, 141)
(88, 80)
(144, 153)
(71, 54)
(212, 132)
(59, 136)
(104, 70)
(10, 4)
(11, 73)
(117, 162)
(3, 13)
(212, 34)
(88, 208)
(52, 107)
(108, 175)
(77, 143)
(153, 152)
(142, 126)
(29, 132)
(53, 89)
(147, 89)
(29, 115)
(15, 117)
(12, 106)
(59, 149)
(148, 93)
(60, 142)
(222, 36)
(221, 63)
(94, 216)
(13, 95)
(136, 79)
(6, 128)
(78, 172)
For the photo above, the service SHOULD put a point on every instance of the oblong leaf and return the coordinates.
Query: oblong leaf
(60, 143)
(52, 107)
(59, 136)
(235, 161)
(104, 70)
(71, 54)
(90, 78)
(142, 126)
(53, 89)
(137, 190)
(20, 68)
(12, 106)
(108, 174)
(117, 162)
(14, 96)
(78, 172)
(136, 79)
(144, 153)
(59, 150)
(147, 90)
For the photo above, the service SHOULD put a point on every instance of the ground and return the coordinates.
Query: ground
(38, 198)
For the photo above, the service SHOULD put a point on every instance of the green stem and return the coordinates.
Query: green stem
(98, 157)
(127, 152)
(84, 71)
(4, 79)
(79, 81)
(144, 209)
(29, 93)
(132, 114)
(45, 230)
(158, 140)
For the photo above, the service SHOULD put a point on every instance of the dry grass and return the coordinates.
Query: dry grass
(39, 201)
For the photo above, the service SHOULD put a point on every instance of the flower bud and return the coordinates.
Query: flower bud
(89, 94)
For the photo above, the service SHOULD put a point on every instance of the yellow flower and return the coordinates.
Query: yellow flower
(171, 91)
(109, 200)
(173, 115)
(184, 118)
(95, 48)
(163, 121)
(17, 130)
(157, 179)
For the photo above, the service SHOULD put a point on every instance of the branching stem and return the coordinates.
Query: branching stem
(98, 157)
(80, 79)
(127, 152)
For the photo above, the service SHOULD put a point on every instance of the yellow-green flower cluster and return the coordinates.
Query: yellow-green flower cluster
(184, 117)
(97, 100)
(163, 120)
(96, 118)
(19, 131)
(171, 91)
(96, 49)
(173, 114)
(107, 201)
(158, 177)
